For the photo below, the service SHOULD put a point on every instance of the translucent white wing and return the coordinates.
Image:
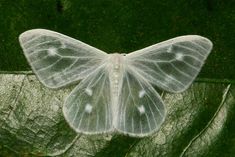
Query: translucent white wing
(140, 108)
(172, 65)
(88, 108)
(59, 60)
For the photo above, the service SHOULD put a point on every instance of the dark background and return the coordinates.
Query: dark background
(122, 26)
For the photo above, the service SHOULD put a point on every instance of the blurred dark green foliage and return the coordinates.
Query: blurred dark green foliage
(122, 26)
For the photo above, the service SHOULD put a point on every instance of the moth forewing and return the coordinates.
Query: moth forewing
(172, 65)
(58, 60)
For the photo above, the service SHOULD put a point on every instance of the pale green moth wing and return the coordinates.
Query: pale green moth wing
(141, 110)
(58, 60)
(88, 108)
(172, 65)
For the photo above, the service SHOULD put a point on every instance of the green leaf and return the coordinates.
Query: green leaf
(199, 123)
(30, 117)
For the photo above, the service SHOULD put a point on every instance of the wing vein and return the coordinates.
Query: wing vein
(150, 110)
(32, 39)
(168, 76)
(190, 49)
(47, 67)
(198, 45)
(180, 71)
(40, 44)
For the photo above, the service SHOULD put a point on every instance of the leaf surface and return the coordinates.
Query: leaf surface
(199, 122)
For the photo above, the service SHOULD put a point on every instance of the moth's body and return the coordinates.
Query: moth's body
(115, 67)
(116, 91)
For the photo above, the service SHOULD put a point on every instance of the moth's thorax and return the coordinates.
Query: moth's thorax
(116, 59)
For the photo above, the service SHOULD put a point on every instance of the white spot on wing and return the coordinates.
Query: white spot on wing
(169, 49)
(179, 56)
(52, 51)
(141, 109)
(88, 91)
(88, 108)
(142, 93)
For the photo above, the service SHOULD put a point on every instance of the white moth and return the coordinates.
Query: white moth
(115, 92)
